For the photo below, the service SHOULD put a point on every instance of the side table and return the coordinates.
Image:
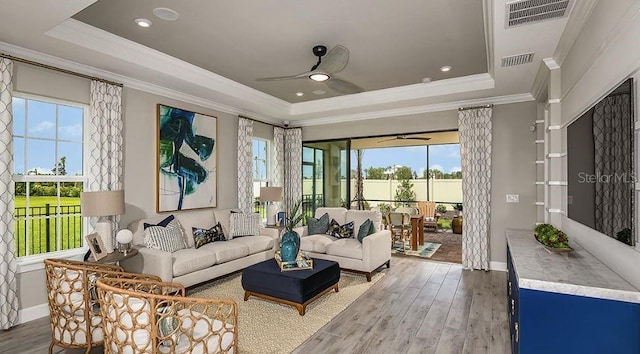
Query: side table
(116, 256)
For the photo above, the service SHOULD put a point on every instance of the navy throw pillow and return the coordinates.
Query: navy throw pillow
(367, 228)
(162, 223)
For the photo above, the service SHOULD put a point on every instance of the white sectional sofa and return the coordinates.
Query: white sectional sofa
(191, 266)
(351, 254)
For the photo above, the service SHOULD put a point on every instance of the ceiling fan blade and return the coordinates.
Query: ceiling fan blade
(335, 61)
(417, 138)
(343, 86)
(282, 78)
(384, 141)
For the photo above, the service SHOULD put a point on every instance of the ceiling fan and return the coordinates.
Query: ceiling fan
(405, 137)
(324, 70)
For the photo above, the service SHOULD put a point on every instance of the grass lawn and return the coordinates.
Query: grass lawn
(444, 224)
(42, 229)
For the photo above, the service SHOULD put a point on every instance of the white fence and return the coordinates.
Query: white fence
(440, 190)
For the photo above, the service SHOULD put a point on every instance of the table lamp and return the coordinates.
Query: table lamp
(269, 195)
(103, 204)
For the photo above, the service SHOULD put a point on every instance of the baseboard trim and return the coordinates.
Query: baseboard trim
(498, 266)
(33, 313)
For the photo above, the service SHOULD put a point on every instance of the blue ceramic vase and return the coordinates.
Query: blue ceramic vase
(289, 246)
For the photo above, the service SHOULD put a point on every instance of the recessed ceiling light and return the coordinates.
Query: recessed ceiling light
(165, 13)
(299, 94)
(319, 77)
(445, 68)
(318, 92)
(143, 22)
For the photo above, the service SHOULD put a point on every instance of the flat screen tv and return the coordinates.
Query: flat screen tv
(600, 166)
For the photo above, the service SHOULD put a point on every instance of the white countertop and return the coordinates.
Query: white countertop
(574, 273)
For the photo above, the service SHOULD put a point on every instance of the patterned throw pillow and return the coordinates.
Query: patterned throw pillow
(168, 239)
(340, 231)
(203, 236)
(318, 226)
(367, 228)
(244, 224)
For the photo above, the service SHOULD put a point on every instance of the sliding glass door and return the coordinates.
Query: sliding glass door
(325, 174)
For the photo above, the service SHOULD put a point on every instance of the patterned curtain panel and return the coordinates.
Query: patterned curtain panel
(277, 179)
(612, 137)
(475, 152)
(245, 164)
(105, 139)
(8, 265)
(293, 167)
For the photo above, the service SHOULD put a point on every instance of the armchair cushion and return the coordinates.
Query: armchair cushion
(318, 226)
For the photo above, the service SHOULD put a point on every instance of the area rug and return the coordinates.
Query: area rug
(269, 327)
(424, 251)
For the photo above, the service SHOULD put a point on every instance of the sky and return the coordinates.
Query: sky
(43, 123)
(445, 158)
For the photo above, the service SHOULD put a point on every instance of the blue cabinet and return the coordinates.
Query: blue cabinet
(550, 322)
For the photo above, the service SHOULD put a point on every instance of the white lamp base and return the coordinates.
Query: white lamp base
(104, 228)
(272, 210)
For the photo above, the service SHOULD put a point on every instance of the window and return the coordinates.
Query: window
(48, 143)
(261, 171)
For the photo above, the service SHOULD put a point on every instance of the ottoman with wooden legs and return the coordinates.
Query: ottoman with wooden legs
(297, 288)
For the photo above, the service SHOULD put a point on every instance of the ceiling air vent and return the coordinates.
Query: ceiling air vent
(530, 11)
(517, 59)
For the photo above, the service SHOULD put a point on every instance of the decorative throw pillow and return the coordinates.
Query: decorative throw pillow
(162, 223)
(244, 224)
(318, 226)
(367, 228)
(340, 231)
(202, 236)
(169, 238)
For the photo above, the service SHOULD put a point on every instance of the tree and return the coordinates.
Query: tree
(60, 168)
(403, 172)
(375, 173)
(404, 192)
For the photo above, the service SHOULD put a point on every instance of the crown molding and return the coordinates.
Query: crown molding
(130, 83)
(577, 19)
(86, 36)
(487, 12)
(551, 63)
(540, 83)
(395, 94)
(439, 107)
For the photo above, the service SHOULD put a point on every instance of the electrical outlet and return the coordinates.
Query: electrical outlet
(513, 198)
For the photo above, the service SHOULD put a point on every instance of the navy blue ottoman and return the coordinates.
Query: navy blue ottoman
(295, 287)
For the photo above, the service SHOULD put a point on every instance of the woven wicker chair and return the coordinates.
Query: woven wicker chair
(74, 308)
(156, 317)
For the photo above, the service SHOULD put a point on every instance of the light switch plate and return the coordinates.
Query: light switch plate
(513, 198)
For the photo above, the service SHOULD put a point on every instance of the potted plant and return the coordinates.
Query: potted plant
(456, 223)
(290, 240)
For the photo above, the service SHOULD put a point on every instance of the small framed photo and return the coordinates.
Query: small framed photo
(96, 246)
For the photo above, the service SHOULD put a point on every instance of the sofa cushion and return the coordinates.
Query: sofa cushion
(318, 226)
(359, 216)
(255, 243)
(346, 247)
(226, 251)
(316, 243)
(338, 214)
(189, 260)
(340, 231)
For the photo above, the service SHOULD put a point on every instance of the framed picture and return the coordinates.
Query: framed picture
(186, 169)
(96, 246)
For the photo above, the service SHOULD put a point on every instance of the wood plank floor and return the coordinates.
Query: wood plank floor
(419, 306)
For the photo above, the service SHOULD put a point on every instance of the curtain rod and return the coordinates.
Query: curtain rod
(263, 122)
(45, 66)
(475, 107)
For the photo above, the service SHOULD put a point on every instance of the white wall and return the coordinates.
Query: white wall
(605, 53)
(513, 158)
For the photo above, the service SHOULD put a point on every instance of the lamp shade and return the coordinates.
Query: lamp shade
(270, 194)
(102, 203)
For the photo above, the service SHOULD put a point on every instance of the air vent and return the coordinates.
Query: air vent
(517, 59)
(531, 11)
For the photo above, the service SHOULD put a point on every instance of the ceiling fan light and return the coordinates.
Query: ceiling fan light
(319, 77)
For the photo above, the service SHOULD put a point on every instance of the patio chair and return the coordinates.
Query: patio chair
(408, 210)
(156, 317)
(74, 308)
(400, 226)
(428, 210)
